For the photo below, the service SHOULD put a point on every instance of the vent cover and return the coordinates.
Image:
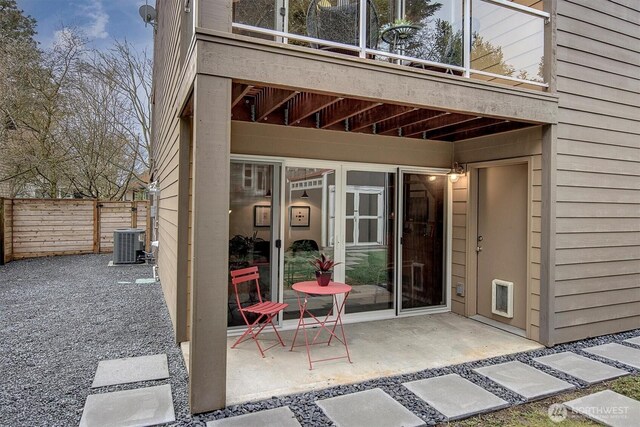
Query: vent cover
(502, 298)
(128, 243)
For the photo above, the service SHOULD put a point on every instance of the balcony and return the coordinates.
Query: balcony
(492, 40)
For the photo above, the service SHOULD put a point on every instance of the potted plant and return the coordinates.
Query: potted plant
(324, 269)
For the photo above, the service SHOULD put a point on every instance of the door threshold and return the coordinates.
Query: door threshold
(500, 325)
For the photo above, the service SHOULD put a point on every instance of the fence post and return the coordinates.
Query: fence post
(134, 214)
(1, 231)
(149, 226)
(96, 227)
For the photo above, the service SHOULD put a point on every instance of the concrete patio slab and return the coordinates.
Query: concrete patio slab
(634, 341)
(130, 408)
(281, 417)
(371, 408)
(609, 408)
(455, 397)
(583, 368)
(380, 348)
(618, 352)
(525, 380)
(130, 370)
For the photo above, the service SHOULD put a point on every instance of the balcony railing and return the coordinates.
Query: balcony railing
(487, 39)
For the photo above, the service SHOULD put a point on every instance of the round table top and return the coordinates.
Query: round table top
(312, 287)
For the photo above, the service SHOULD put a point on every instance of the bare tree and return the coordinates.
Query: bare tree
(130, 71)
(103, 161)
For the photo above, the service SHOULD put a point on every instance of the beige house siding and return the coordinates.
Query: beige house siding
(517, 144)
(597, 288)
(272, 140)
(166, 146)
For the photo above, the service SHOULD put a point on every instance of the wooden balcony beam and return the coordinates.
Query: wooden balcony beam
(477, 123)
(435, 123)
(306, 104)
(487, 130)
(390, 127)
(238, 92)
(344, 109)
(270, 99)
(378, 114)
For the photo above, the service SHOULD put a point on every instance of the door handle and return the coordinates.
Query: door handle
(478, 249)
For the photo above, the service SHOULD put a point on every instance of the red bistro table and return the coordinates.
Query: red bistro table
(312, 288)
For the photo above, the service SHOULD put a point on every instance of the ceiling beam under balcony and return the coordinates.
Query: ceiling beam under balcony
(270, 99)
(488, 130)
(344, 109)
(378, 114)
(390, 127)
(477, 123)
(436, 123)
(306, 104)
(238, 92)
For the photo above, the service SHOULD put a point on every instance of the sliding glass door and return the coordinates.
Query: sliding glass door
(309, 229)
(422, 241)
(253, 230)
(369, 236)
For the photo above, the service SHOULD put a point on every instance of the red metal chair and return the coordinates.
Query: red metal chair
(264, 310)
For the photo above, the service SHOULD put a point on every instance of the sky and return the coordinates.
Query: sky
(102, 21)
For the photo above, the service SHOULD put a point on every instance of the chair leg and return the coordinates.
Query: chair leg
(254, 331)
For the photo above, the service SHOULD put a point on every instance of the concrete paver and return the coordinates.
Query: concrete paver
(609, 408)
(583, 368)
(280, 417)
(130, 370)
(370, 408)
(455, 397)
(525, 380)
(618, 352)
(130, 408)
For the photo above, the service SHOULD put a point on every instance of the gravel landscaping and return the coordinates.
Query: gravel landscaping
(60, 316)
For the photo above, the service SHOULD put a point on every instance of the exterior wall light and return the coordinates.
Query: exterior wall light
(455, 173)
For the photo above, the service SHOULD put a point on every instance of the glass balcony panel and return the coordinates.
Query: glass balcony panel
(429, 30)
(258, 13)
(506, 42)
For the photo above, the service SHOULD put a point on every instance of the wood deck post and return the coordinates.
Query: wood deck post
(209, 237)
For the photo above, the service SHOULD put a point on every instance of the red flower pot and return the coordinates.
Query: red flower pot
(323, 277)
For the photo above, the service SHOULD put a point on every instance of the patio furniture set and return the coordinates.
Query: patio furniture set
(260, 315)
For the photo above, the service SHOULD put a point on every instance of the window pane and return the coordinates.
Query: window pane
(368, 231)
(368, 204)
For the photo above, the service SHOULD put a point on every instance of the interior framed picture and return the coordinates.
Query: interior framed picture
(300, 216)
(261, 216)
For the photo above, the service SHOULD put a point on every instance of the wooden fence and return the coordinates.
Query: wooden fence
(42, 227)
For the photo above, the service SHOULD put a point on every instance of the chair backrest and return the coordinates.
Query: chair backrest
(341, 23)
(245, 275)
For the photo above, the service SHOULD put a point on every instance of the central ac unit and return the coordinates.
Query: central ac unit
(128, 246)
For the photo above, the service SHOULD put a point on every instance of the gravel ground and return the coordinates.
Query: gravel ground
(60, 316)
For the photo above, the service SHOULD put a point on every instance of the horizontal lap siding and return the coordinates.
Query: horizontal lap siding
(598, 180)
(459, 244)
(165, 145)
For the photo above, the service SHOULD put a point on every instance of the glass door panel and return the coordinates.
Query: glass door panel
(422, 241)
(308, 231)
(369, 240)
(252, 227)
